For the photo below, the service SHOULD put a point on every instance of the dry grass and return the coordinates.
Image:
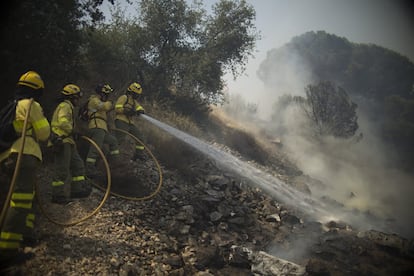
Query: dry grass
(170, 151)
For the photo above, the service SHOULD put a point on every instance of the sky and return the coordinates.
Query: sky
(387, 23)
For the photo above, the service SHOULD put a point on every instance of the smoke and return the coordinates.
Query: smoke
(358, 175)
(284, 73)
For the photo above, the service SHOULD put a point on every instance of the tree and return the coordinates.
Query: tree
(44, 36)
(192, 51)
(180, 53)
(330, 110)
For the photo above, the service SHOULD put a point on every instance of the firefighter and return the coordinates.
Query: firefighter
(126, 108)
(70, 168)
(98, 108)
(19, 220)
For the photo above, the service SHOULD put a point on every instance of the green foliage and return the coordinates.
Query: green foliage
(230, 33)
(177, 53)
(113, 51)
(44, 36)
(330, 110)
(365, 70)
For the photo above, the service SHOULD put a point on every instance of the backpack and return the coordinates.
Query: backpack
(83, 112)
(7, 132)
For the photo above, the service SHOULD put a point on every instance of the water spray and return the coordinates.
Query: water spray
(274, 187)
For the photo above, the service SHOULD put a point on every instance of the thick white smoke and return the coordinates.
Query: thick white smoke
(359, 175)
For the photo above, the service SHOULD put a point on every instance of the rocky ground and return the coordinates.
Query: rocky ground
(203, 221)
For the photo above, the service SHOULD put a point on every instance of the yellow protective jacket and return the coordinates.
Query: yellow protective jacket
(97, 111)
(38, 129)
(63, 123)
(126, 102)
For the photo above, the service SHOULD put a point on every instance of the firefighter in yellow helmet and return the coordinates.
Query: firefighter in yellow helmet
(70, 169)
(126, 108)
(98, 108)
(18, 223)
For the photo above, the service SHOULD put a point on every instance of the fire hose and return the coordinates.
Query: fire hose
(108, 186)
(105, 197)
(160, 180)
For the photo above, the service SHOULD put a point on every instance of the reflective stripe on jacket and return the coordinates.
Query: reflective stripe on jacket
(97, 111)
(62, 121)
(126, 102)
(38, 129)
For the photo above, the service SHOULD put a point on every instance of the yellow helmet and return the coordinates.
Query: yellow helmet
(71, 90)
(104, 88)
(135, 88)
(32, 80)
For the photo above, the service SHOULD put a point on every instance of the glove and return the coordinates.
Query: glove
(56, 140)
(141, 111)
(129, 112)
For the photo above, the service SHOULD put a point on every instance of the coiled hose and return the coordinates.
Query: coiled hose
(107, 192)
(156, 191)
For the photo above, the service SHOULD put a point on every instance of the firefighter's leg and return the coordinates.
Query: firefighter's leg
(98, 136)
(62, 173)
(19, 220)
(139, 149)
(114, 157)
(120, 136)
(79, 186)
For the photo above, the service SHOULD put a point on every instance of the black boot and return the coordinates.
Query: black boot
(91, 170)
(60, 199)
(139, 156)
(80, 190)
(13, 258)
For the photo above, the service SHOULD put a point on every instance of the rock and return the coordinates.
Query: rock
(273, 218)
(208, 256)
(240, 256)
(291, 219)
(173, 260)
(384, 239)
(336, 224)
(185, 229)
(204, 223)
(265, 264)
(215, 216)
(218, 182)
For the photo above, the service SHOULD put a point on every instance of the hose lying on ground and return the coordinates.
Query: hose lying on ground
(107, 192)
(156, 191)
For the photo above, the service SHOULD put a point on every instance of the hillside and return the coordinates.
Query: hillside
(378, 80)
(203, 221)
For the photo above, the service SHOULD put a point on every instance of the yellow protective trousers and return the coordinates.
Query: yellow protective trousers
(69, 170)
(131, 128)
(19, 220)
(101, 137)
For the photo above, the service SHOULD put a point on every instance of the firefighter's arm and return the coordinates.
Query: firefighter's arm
(107, 106)
(119, 105)
(65, 122)
(139, 109)
(39, 122)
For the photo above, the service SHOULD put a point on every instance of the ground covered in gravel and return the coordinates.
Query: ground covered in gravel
(203, 221)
